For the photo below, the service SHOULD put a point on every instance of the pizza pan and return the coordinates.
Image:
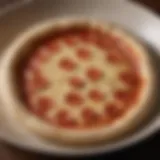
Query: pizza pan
(143, 23)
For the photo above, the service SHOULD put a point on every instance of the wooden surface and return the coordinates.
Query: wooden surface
(149, 148)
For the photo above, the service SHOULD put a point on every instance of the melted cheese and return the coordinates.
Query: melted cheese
(59, 78)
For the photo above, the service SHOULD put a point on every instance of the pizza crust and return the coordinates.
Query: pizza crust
(16, 112)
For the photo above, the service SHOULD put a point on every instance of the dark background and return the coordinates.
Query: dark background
(148, 149)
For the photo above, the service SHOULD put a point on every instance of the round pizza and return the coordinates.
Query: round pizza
(85, 83)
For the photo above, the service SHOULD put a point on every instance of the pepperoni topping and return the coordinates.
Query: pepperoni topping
(28, 73)
(42, 54)
(94, 74)
(70, 40)
(74, 99)
(34, 82)
(62, 114)
(122, 95)
(89, 115)
(106, 42)
(43, 105)
(98, 32)
(96, 95)
(53, 46)
(114, 56)
(83, 53)
(30, 101)
(67, 122)
(40, 82)
(63, 119)
(130, 78)
(29, 87)
(86, 36)
(113, 111)
(67, 64)
(34, 63)
(77, 82)
(134, 94)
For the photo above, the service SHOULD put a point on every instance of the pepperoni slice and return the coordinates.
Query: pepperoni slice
(98, 32)
(68, 123)
(29, 87)
(31, 69)
(89, 36)
(74, 99)
(94, 74)
(114, 56)
(53, 46)
(30, 102)
(77, 82)
(67, 64)
(43, 105)
(28, 73)
(130, 78)
(106, 42)
(113, 111)
(40, 82)
(89, 116)
(43, 54)
(83, 53)
(86, 36)
(64, 120)
(62, 114)
(96, 95)
(134, 95)
(34, 63)
(122, 95)
(70, 40)
(34, 82)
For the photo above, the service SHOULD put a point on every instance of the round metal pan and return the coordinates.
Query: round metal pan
(141, 22)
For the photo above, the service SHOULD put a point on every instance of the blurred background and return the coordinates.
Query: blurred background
(149, 148)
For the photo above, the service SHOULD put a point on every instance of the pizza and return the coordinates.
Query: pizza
(86, 84)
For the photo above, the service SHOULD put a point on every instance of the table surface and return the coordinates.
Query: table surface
(148, 148)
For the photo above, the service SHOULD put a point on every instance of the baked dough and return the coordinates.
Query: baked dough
(100, 85)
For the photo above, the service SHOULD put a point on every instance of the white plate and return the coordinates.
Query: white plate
(16, 18)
